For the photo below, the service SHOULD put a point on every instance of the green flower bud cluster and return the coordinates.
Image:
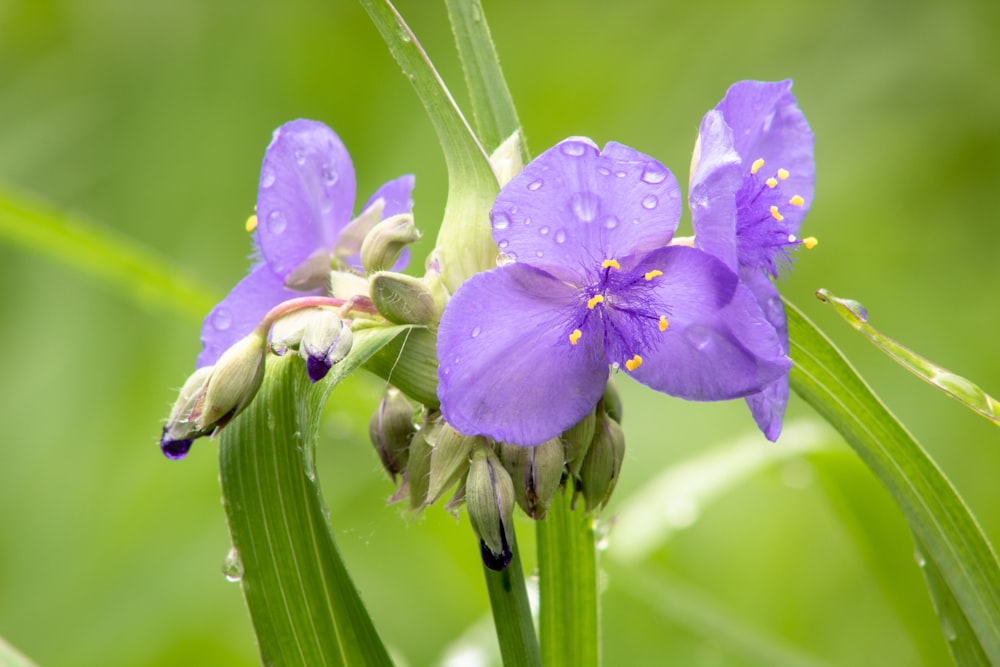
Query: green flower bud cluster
(490, 477)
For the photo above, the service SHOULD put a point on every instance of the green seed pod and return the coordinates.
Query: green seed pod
(603, 462)
(449, 460)
(391, 429)
(385, 242)
(418, 468)
(613, 402)
(536, 473)
(577, 441)
(402, 299)
(489, 498)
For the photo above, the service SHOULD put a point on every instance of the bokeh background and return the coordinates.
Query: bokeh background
(151, 118)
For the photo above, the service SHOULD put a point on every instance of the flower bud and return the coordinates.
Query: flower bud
(181, 428)
(233, 383)
(418, 468)
(449, 460)
(391, 428)
(326, 340)
(403, 299)
(286, 332)
(489, 497)
(603, 462)
(612, 402)
(536, 473)
(385, 242)
(577, 441)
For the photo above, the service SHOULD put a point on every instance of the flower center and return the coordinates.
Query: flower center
(622, 312)
(765, 236)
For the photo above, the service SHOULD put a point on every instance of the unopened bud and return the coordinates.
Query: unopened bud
(418, 468)
(449, 460)
(489, 497)
(385, 242)
(577, 441)
(181, 428)
(612, 402)
(391, 428)
(536, 473)
(603, 462)
(326, 340)
(402, 299)
(233, 383)
(286, 332)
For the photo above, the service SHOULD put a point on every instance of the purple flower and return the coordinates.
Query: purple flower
(304, 207)
(752, 182)
(524, 349)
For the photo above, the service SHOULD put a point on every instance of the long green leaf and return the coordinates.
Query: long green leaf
(945, 530)
(956, 386)
(138, 272)
(11, 657)
(304, 607)
(465, 242)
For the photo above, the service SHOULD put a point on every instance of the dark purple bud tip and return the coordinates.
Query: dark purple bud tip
(497, 562)
(175, 449)
(318, 367)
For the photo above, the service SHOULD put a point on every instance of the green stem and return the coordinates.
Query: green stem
(567, 565)
(512, 613)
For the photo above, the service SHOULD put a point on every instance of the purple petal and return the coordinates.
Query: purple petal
(573, 206)
(240, 312)
(716, 176)
(507, 368)
(767, 123)
(718, 344)
(398, 197)
(306, 194)
(768, 406)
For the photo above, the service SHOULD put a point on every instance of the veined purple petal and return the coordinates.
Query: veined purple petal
(717, 344)
(716, 176)
(573, 207)
(240, 312)
(507, 367)
(306, 194)
(767, 124)
(398, 197)
(768, 406)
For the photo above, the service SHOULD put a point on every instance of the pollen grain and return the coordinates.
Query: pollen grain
(783, 174)
(574, 337)
(633, 363)
(610, 263)
(649, 275)
(797, 200)
(251, 223)
(776, 215)
(810, 242)
(663, 323)
(757, 164)
(594, 300)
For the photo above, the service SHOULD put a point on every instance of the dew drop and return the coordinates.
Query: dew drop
(561, 236)
(654, 173)
(543, 231)
(585, 206)
(222, 319)
(300, 156)
(501, 221)
(276, 222)
(920, 559)
(476, 332)
(611, 222)
(650, 202)
(603, 171)
(232, 566)
(330, 177)
(534, 185)
(700, 337)
(775, 309)
(512, 255)
(539, 253)
(267, 177)
(503, 244)
(573, 148)
(527, 221)
(620, 174)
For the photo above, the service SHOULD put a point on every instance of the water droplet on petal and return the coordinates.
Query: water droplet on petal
(620, 174)
(611, 222)
(603, 171)
(534, 185)
(775, 309)
(501, 221)
(635, 221)
(222, 319)
(329, 175)
(585, 206)
(503, 244)
(561, 236)
(539, 253)
(650, 202)
(276, 222)
(267, 177)
(654, 173)
(527, 221)
(475, 332)
(232, 566)
(512, 255)
(543, 231)
(300, 156)
(700, 337)
(573, 148)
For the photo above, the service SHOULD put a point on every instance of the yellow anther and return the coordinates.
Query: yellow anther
(663, 323)
(594, 300)
(612, 263)
(757, 164)
(809, 242)
(574, 337)
(772, 182)
(633, 363)
(783, 174)
(652, 274)
(777, 216)
(251, 223)
(797, 200)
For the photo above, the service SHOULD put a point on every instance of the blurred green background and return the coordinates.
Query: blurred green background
(151, 120)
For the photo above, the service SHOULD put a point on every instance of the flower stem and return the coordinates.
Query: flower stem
(567, 565)
(512, 613)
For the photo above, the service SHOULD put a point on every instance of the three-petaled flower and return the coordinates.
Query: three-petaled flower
(752, 178)
(301, 229)
(590, 281)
